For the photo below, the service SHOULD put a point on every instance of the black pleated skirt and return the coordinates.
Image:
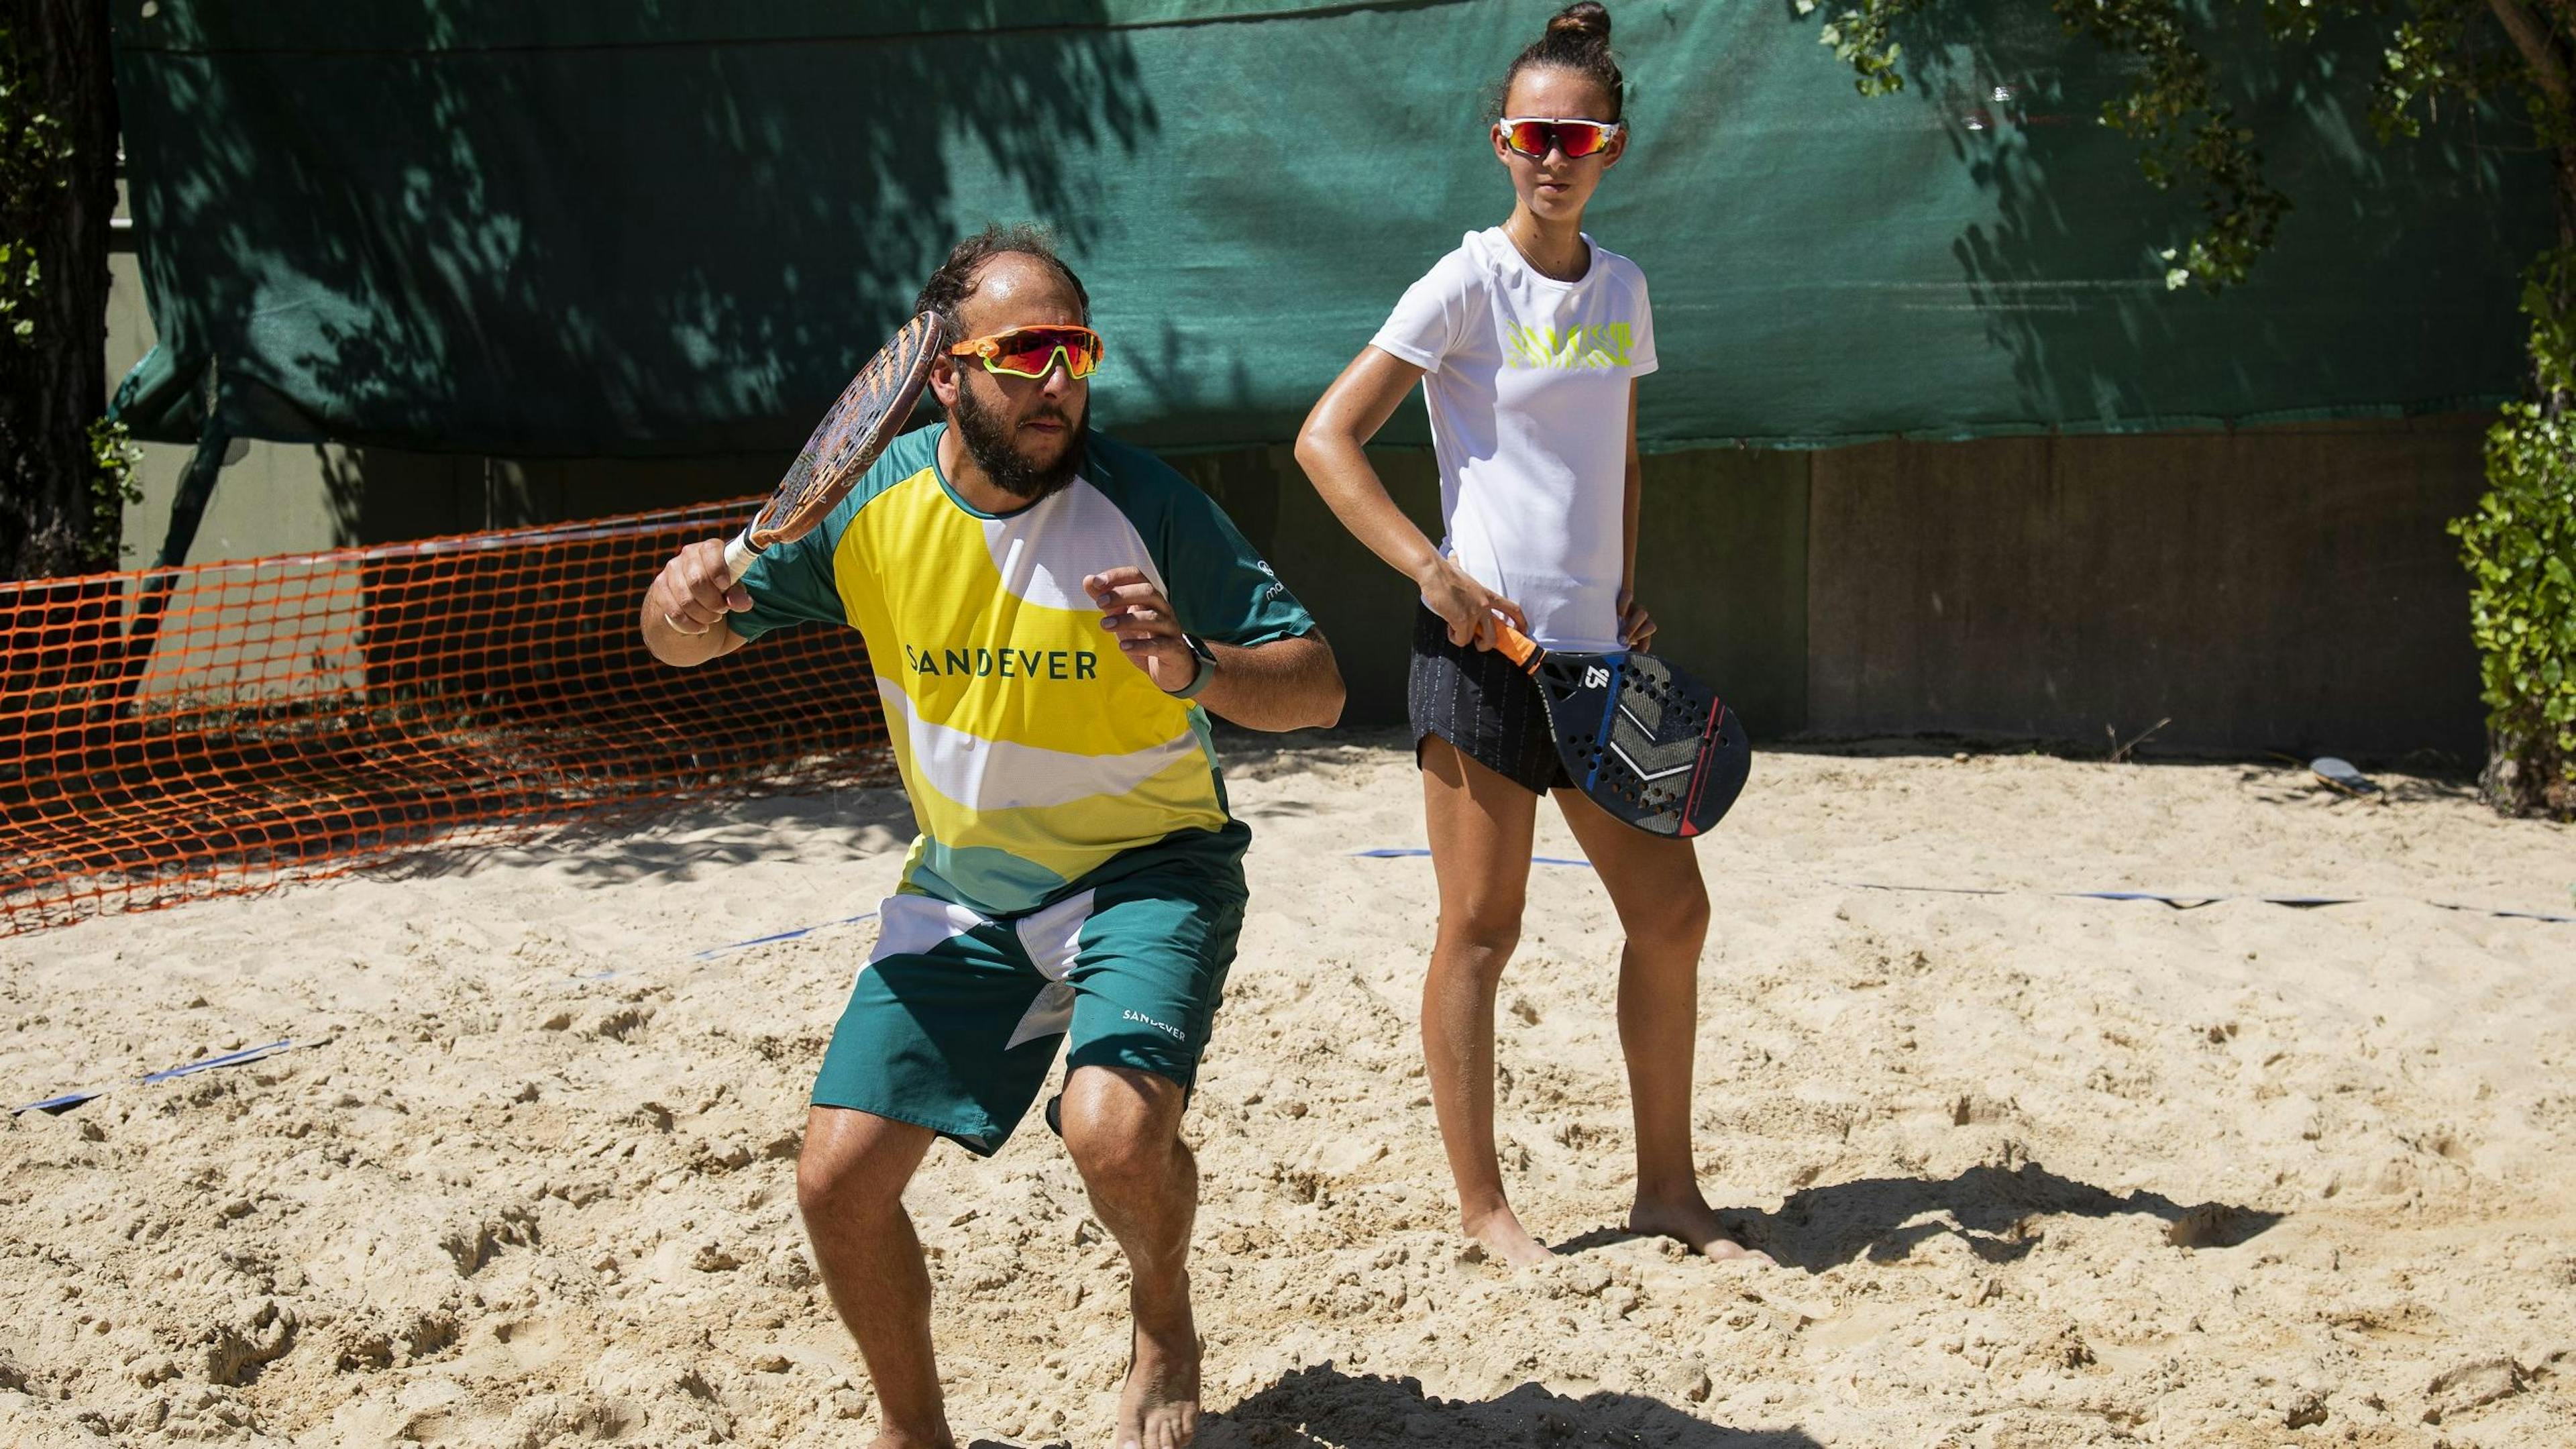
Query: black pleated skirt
(1481, 702)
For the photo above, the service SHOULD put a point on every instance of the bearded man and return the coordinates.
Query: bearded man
(1078, 877)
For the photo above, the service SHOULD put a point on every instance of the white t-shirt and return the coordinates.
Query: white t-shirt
(1527, 381)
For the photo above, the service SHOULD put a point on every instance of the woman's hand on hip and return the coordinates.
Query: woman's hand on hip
(1636, 626)
(1468, 607)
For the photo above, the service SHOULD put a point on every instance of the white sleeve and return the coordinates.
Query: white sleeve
(1641, 337)
(1431, 317)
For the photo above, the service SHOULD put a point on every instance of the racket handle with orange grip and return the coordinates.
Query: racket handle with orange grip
(1516, 646)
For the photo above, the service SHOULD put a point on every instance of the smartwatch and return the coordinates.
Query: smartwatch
(1206, 669)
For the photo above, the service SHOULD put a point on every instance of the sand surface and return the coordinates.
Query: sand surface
(2041, 1171)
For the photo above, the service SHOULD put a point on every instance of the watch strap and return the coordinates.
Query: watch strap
(1206, 669)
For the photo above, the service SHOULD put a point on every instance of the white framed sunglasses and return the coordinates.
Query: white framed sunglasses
(1577, 137)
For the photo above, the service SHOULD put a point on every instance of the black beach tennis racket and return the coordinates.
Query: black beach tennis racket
(871, 411)
(1646, 742)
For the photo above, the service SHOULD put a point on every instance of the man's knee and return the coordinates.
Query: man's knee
(1121, 1125)
(855, 1164)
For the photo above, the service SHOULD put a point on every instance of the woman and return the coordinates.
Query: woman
(1528, 341)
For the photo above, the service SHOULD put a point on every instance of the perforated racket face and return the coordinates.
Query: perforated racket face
(1648, 743)
(871, 411)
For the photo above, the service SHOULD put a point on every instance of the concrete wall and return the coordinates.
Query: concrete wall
(2282, 589)
(1722, 564)
(2287, 589)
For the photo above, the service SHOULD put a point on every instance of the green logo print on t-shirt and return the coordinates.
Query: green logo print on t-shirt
(1571, 347)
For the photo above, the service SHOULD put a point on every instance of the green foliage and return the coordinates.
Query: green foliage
(32, 152)
(2438, 48)
(2174, 111)
(1862, 39)
(112, 489)
(2518, 546)
(20, 276)
(2175, 106)
(2549, 300)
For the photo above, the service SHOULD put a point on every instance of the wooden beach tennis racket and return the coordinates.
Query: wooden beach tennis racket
(1646, 742)
(871, 411)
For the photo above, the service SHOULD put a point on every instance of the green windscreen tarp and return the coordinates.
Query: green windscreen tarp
(603, 227)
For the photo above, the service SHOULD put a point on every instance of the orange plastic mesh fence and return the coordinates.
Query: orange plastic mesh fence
(180, 733)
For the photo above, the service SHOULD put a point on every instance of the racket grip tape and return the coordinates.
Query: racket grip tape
(1518, 647)
(738, 556)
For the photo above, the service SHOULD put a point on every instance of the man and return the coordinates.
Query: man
(1077, 874)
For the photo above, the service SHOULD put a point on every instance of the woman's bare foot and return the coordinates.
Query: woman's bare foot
(891, 1439)
(1695, 1224)
(1159, 1408)
(1501, 1234)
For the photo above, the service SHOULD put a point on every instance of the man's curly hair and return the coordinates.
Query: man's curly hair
(948, 287)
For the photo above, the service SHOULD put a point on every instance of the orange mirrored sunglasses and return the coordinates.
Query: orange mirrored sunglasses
(1534, 136)
(1032, 351)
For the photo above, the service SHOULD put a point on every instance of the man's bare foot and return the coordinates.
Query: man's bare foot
(1159, 1408)
(1501, 1235)
(1695, 1224)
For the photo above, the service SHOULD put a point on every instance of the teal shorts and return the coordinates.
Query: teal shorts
(954, 1021)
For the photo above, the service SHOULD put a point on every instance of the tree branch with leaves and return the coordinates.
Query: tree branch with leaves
(2520, 543)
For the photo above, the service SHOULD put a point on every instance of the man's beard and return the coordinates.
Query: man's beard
(987, 437)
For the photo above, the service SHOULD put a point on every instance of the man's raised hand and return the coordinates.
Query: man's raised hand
(1134, 610)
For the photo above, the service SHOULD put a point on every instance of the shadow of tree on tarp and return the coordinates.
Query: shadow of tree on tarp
(525, 238)
(2076, 295)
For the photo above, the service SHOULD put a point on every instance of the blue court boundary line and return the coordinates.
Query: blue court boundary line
(69, 1100)
(2176, 902)
(798, 934)
(1391, 852)
(65, 1101)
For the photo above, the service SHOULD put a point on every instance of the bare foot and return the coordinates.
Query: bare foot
(895, 1439)
(1159, 1408)
(1695, 1223)
(1501, 1234)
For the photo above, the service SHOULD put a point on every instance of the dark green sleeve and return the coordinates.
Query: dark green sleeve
(1220, 587)
(791, 583)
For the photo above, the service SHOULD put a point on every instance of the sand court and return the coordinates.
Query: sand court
(2040, 1170)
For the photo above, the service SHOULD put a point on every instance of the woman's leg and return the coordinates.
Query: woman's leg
(1655, 885)
(1480, 827)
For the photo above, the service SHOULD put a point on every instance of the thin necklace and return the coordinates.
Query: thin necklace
(1525, 248)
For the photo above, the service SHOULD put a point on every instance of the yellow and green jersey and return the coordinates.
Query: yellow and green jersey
(1038, 759)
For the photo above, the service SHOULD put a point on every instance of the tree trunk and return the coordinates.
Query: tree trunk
(53, 386)
(2566, 176)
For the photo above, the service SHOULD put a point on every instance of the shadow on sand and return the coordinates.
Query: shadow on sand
(1321, 1407)
(1995, 1211)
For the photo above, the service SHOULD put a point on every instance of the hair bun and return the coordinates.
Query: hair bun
(1585, 19)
